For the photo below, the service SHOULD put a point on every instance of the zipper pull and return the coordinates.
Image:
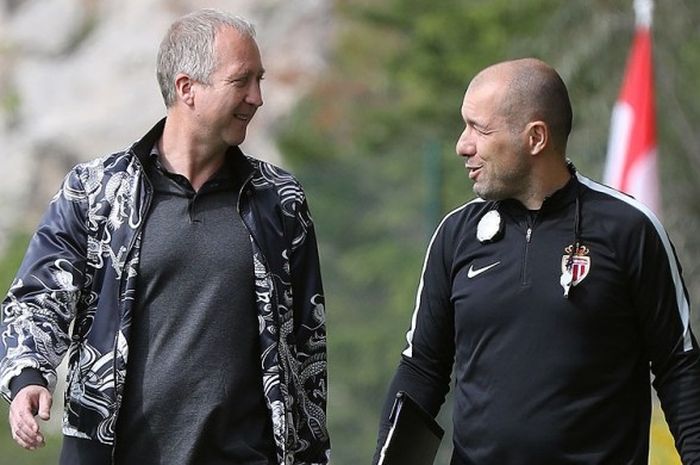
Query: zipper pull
(566, 280)
(528, 235)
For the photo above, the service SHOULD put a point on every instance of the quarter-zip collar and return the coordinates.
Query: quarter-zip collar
(561, 198)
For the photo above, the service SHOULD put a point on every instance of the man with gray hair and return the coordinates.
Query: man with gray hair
(181, 277)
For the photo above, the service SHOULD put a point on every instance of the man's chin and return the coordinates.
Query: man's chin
(486, 194)
(236, 139)
(480, 192)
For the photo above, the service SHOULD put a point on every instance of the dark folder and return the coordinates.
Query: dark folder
(414, 435)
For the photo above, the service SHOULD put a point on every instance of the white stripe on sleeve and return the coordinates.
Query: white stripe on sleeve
(683, 305)
(409, 335)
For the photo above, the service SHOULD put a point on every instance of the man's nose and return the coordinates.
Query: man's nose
(254, 96)
(465, 147)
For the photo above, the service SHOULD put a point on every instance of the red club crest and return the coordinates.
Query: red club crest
(580, 263)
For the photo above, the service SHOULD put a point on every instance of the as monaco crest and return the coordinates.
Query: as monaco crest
(580, 263)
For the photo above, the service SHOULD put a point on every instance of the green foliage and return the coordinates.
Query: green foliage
(10, 103)
(12, 257)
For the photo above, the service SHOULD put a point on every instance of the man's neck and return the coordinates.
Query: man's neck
(545, 185)
(183, 153)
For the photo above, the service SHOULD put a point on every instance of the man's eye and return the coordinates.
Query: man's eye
(478, 129)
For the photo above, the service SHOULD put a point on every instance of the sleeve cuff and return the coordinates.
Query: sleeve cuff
(28, 377)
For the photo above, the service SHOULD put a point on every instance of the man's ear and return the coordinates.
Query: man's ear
(538, 136)
(184, 88)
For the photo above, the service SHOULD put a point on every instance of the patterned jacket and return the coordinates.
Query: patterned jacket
(81, 267)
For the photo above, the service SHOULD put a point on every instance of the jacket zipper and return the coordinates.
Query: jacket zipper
(122, 284)
(530, 224)
(275, 313)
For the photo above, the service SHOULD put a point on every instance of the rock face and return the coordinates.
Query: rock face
(77, 80)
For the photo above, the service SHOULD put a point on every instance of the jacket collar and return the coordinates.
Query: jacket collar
(561, 198)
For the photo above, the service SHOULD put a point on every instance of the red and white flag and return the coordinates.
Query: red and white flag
(631, 164)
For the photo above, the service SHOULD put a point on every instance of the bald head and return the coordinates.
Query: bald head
(531, 90)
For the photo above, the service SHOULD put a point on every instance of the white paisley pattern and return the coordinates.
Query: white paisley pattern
(81, 266)
(304, 366)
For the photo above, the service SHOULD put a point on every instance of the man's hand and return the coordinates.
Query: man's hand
(30, 401)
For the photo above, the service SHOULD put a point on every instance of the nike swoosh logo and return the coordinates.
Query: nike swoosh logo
(471, 272)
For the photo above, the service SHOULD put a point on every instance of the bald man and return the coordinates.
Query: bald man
(549, 295)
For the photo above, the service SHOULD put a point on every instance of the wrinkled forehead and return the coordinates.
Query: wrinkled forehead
(484, 95)
(229, 38)
(232, 46)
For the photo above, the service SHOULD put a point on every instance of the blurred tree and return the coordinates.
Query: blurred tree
(12, 258)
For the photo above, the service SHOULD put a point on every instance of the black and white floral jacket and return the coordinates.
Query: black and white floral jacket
(81, 267)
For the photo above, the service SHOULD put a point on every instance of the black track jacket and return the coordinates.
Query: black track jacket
(541, 378)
